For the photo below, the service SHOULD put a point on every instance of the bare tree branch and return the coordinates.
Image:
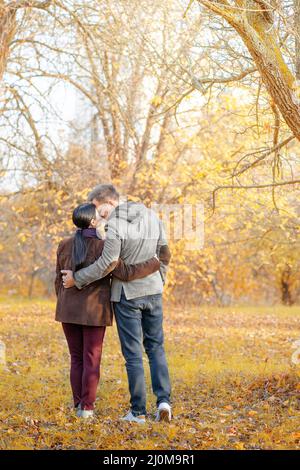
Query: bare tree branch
(251, 186)
(276, 148)
(29, 4)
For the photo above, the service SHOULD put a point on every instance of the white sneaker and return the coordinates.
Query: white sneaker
(85, 414)
(164, 412)
(134, 419)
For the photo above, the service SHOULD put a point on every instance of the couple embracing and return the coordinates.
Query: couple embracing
(125, 273)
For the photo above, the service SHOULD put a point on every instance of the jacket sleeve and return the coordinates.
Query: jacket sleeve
(163, 252)
(58, 278)
(129, 272)
(105, 263)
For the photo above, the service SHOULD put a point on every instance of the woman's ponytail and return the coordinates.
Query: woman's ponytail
(82, 217)
(79, 250)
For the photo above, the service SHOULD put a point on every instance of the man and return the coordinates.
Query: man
(135, 234)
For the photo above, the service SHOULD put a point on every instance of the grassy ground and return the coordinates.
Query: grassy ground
(233, 383)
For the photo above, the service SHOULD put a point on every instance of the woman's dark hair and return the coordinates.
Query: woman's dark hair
(82, 217)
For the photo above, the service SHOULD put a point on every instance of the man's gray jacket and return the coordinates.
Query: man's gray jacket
(135, 234)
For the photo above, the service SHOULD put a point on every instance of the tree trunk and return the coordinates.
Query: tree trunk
(31, 283)
(7, 31)
(286, 296)
(297, 37)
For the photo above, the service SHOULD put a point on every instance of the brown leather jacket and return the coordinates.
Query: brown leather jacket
(91, 305)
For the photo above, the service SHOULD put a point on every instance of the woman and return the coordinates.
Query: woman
(86, 313)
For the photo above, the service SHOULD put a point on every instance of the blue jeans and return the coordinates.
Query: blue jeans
(139, 323)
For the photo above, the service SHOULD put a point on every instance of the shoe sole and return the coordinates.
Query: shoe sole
(132, 421)
(82, 416)
(164, 415)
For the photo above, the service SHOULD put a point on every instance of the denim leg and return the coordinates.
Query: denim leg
(128, 318)
(152, 324)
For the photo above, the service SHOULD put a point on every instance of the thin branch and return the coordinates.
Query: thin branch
(29, 4)
(222, 8)
(251, 186)
(232, 78)
(262, 157)
(187, 8)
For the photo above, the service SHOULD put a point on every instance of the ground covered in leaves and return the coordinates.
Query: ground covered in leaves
(233, 383)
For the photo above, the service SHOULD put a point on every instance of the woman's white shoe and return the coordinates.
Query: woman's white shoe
(85, 414)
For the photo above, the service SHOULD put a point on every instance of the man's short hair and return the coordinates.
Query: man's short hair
(103, 192)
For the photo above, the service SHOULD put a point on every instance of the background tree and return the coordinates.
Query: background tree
(254, 21)
(9, 24)
(173, 111)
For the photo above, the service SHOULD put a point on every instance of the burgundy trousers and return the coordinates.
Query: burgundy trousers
(85, 346)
